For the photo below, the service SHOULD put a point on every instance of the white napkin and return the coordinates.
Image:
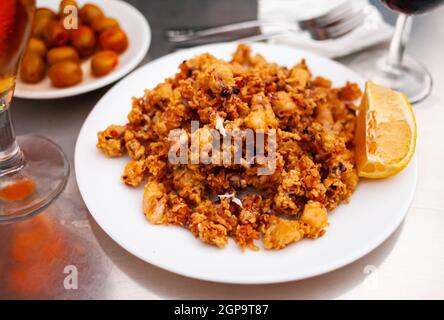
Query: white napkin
(373, 30)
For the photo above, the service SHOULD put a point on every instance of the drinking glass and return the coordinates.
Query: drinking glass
(33, 170)
(394, 69)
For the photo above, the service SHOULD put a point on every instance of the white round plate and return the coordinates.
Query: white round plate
(139, 37)
(376, 208)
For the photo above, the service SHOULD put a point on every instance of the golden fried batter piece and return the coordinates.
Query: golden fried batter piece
(134, 172)
(111, 141)
(314, 165)
(279, 232)
(154, 202)
(208, 231)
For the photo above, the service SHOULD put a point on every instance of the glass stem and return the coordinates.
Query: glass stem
(399, 40)
(11, 158)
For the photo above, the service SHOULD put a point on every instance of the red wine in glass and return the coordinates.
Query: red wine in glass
(412, 6)
(393, 68)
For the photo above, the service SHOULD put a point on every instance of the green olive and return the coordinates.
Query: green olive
(62, 54)
(102, 24)
(38, 46)
(32, 68)
(55, 34)
(42, 17)
(90, 12)
(45, 12)
(114, 39)
(68, 13)
(64, 4)
(83, 40)
(103, 62)
(65, 74)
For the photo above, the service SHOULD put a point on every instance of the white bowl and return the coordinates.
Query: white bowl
(139, 36)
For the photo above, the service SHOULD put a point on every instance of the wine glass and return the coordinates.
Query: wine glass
(33, 170)
(394, 69)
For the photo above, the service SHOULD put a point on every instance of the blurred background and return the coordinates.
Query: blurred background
(164, 14)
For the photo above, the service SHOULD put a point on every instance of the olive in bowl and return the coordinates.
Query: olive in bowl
(32, 68)
(65, 5)
(65, 74)
(42, 17)
(114, 39)
(90, 12)
(102, 24)
(37, 45)
(64, 53)
(103, 62)
(84, 41)
(55, 35)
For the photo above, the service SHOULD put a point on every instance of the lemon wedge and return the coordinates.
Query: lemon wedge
(385, 132)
